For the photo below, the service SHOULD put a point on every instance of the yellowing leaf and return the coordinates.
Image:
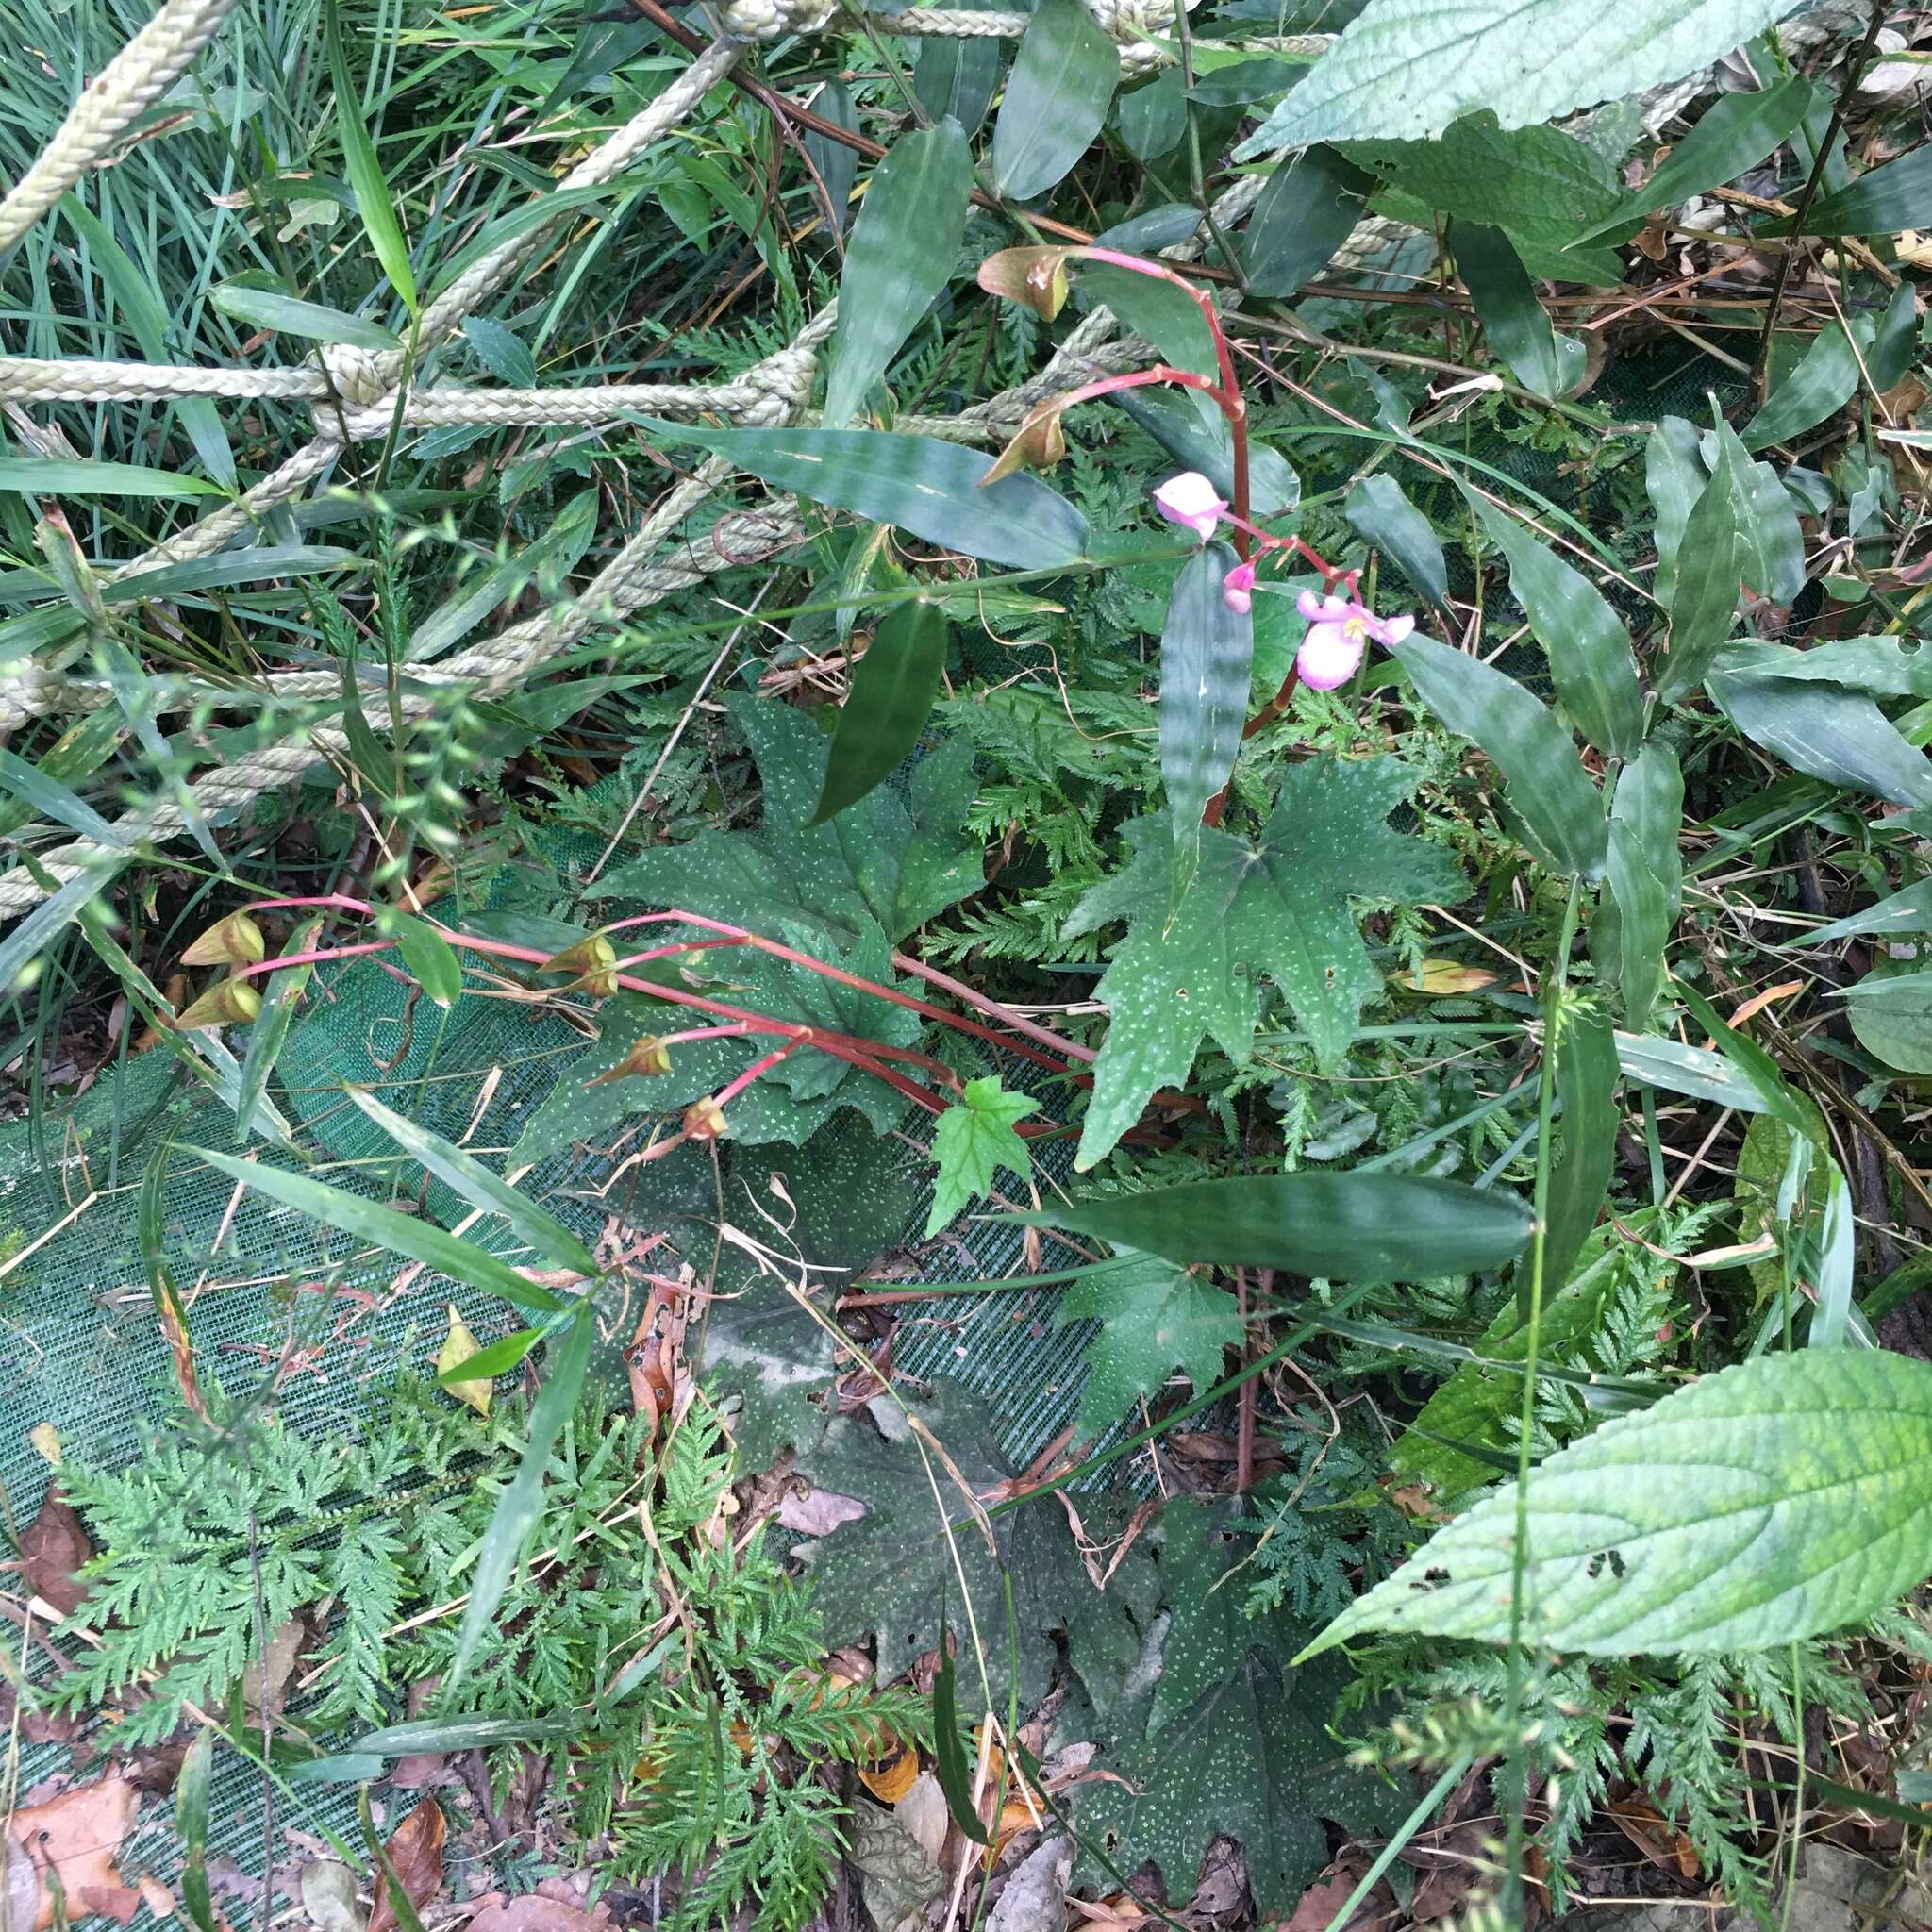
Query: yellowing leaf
(459, 1345)
(1446, 976)
(890, 1782)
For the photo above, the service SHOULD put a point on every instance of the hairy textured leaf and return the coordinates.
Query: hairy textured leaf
(971, 1141)
(1056, 97)
(895, 861)
(904, 246)
(1380, 513)
(1154, 1316)
(1190, 964)
(1590, 650)
(1549, 791)
(1406, 69)
(1207, 654)
(1771, 1502)
(1346, 1226)
(1306, 212)
(889, 699)
(922, 484)
(1512, 318)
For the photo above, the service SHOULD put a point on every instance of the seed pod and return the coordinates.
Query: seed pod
(704, 1120)
(593, 963)
(235, 940)
(646, 1056)
(228, 1002)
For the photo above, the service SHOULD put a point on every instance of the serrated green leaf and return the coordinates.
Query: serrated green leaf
(1342, 1226)
(1772, 1502)
(919, 483)
(1591, 658)
(1190, 962)
(904, 246)
(1056, 97)
(888, 700)
(1406, 69)
(501, 351)
(974, 1139)
(1549, 791)
(1154, 1316)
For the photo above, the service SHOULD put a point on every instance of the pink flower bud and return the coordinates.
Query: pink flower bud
(1191, 501)
(1236, 588)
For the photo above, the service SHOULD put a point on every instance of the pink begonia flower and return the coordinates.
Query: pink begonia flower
(1339, 632)
(1189, 500)
(1236, 587)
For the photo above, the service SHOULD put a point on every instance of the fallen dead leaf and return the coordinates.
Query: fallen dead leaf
(328, 1896)
(154, 1895)
(923, 1812)
(52, 1547)
(415, 1849)
(816, 1512)
(75, 1839)
(265, 1683)
(458, 1346)
(891, 1781)
(21, 1897)
(535, 1913)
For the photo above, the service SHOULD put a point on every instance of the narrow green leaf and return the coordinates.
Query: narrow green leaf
(427, 955)
(374, 200)
(1306, 212)
(269, 1031)
(521, 1503)
(1169, 317)
(949, 1754)
(836, 165)
(920, 483)
(79, 751)
(191, 1821)
(1587, 1074)
(1056, 98)
(1831, 734)
(1506, 302)
(1381, 514)
(464, 1174)
(1694, 1071)
(408, 1234)
(222, 572)
(499, 1358)
(454, 1734)
(289, 315)
(1824, 380)
(1342, 1226)
(1674, 474)
(905, 245)
(52, 916)
(1882, 201)
(1207, 654)
(1192, 431)
(1774, 1501)
(1735, 133)
(1703, 597)
(955, 78)
(1907, 911)
(1836, 1259)
(1551, 795)
(1591, 658)
(75, 476)
(1894, 341)
(53, 800)
(889, 698)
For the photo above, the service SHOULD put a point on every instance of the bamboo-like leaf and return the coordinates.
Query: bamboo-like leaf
(1306, 212)
(289, 315)
(1674, 474)
(1772, 1502)
(1587, 1074)
(1549, 791)
(1907, 911)
(1703, 597)
(1825, 378)
(375, 199)
(904, 246)
(836, 164)
(1192, 431)
(1831, 734)
(920, 483)
(522, 1502)
(408, 1234)
(1342, 1226)
(1881, 201)
(270, 1031)
(954, 78)
(1590, 651)
(464, 1174)
(191, 1821)
(1207, 654)
(427, 955)
(1056, 98)
(949, 1755)
(1514, 319)
(53, 800)
(890, 697)
(1380, 513)
(75, 476)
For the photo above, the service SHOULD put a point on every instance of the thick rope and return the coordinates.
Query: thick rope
(108, 106)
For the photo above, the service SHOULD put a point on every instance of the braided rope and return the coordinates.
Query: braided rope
(109, 104)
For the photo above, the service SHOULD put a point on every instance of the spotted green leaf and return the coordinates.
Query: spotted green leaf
(1153, 1316)
(974, 1140)
(1191, 963)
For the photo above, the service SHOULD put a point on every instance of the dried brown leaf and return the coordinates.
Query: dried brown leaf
(52, 1547)
(77, 1837)
(415, 1849)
